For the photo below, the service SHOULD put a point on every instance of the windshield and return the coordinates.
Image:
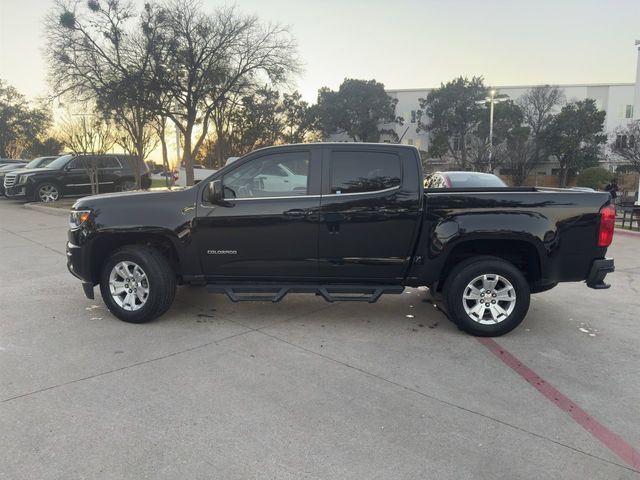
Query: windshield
(473, 180)
(60, 162)
(39, 162)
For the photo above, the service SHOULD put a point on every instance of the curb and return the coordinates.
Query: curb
(59, 212)
(626, 233)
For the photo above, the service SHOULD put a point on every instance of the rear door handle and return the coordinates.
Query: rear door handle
(296, 212)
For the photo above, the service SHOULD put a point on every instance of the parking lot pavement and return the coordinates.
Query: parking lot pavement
(303, 388)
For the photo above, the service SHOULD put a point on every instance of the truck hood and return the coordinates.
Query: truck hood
(10, 168)
(131, 199)
(23, 171)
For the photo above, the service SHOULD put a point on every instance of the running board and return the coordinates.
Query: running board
(331, 293)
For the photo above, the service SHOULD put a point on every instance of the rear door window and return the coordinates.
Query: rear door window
(360, 172)
(108, 162)
(79, 163)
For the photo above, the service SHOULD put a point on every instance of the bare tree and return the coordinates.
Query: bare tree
(627, 144)
(478, 154)
(538, 105)
(161, 128)
(88, 134)
(221, 118)
(519, 156)
(98, 52)
(210, 57)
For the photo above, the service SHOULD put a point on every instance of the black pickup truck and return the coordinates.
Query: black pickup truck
(345, 221)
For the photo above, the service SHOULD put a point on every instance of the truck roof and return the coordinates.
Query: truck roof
(341, 145)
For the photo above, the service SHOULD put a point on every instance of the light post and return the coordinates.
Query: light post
(492, 99)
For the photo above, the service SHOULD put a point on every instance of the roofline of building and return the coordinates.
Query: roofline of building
(497, 87)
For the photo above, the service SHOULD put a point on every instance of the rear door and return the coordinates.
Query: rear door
(267, 229)
(369, 213)
(77, 178)
(109, 172)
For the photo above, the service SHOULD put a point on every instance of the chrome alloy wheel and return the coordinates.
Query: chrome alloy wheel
(489, 299)
(129, 286)
(48, 193)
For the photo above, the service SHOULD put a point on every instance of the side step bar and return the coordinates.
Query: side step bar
(331, 293)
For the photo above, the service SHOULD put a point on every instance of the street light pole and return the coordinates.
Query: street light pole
(492, 102)
(492, 99)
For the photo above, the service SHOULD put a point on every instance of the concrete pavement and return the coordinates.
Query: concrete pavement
(303, 388)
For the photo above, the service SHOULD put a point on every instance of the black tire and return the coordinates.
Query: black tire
(161, 283)
(37, 197)
(125, 186)
(464, 273)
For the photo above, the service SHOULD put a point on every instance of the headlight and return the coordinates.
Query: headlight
(78, 217)
(23, 179)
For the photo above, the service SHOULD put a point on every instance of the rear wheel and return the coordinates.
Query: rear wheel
(137, 284)
(486, 296)
(47, 192)
(125, 186)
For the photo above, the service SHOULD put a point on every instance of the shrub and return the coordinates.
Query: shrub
(594, 177)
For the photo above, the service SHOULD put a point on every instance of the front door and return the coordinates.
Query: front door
(267, 229)
(369, 213)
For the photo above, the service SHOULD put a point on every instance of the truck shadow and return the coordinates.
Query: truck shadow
(411, 312)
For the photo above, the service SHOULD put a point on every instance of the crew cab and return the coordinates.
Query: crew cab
(70, 175)
(362, 225)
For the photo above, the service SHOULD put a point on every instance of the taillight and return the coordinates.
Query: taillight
(607, 225)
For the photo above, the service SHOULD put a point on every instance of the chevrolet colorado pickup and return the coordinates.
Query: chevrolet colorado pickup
(361, 224)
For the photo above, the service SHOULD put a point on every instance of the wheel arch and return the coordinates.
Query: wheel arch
(524, 254)
(103, 246)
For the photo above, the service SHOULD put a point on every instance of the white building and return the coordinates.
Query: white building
(617, 99)
(621, 101)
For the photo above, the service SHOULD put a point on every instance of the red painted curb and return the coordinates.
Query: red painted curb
(612, 441)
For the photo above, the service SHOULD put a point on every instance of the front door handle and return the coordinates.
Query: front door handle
(296, 212)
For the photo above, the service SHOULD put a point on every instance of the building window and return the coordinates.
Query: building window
(628, 112)
(413, 116)
(457, 144)
(621, 141)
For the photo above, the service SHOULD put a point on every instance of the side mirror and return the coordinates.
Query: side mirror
(216, 195)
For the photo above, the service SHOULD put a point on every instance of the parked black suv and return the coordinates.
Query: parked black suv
(70, 175)
(39, 162)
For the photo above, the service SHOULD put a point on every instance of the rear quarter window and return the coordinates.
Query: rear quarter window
(359, 172)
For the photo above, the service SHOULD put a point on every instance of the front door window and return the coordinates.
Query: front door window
(275, 175)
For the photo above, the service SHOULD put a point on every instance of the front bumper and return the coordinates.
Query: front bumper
(77, 264)
(597, 272)
(17, 191)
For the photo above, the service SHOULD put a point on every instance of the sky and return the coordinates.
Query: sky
(403, 43)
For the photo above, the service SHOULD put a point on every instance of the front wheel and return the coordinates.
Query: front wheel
(486, 296)
(137, 284)
(47, 192)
